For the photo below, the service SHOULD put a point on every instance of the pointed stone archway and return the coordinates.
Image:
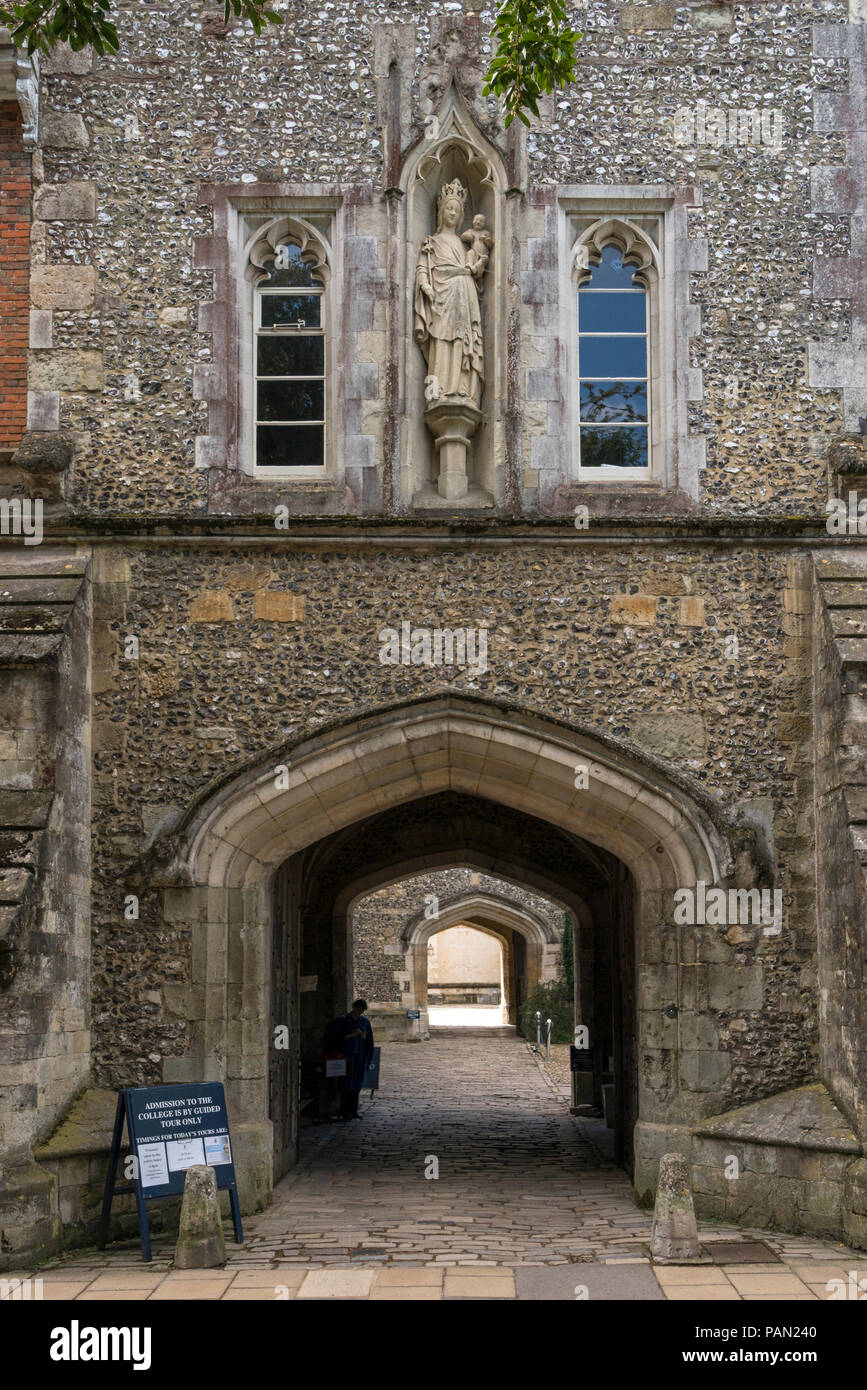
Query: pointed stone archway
(501, 918)
(227, 849)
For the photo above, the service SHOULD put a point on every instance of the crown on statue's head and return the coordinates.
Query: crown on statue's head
(455, 189)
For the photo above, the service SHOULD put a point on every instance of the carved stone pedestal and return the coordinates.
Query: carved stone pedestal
(453, 422)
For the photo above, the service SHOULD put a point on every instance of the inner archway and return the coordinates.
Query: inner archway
(393, 927)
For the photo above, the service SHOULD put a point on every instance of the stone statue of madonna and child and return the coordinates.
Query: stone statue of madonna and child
(448, 329)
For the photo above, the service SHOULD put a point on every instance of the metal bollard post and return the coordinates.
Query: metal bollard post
(537, 1045)
(549, 1026)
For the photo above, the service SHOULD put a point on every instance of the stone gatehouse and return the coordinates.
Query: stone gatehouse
(391, 494)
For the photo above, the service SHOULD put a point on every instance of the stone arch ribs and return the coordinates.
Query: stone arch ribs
(665, 835)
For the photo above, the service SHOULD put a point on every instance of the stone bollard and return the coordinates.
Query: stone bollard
(200, 1238)
(675, 1234)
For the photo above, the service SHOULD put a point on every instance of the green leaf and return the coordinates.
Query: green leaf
(534, 53)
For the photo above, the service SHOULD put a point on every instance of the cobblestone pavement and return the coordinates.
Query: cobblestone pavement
(524, 1206)
(517, 1182)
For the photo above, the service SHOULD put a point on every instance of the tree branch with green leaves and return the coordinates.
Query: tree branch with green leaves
(534, 45)
(535, 53)
(38, 25)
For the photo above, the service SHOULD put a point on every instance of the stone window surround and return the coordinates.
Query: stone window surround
(227, 320)
(678, 456)
(320, 252)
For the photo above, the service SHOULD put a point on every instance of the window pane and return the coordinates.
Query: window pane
(290, 400)
(624, 447)
(291, 356)
(613, 400)
(294, 272)
(611, 273)
(614, 357)
(281, 309)
(611, 313)
(290, 446)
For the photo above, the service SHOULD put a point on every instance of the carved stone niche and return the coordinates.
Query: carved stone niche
(453, 454)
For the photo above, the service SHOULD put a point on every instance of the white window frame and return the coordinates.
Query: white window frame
(261, 245)
(608, 473)
(260, 331)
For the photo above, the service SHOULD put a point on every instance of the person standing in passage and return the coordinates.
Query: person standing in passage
(353, 1036)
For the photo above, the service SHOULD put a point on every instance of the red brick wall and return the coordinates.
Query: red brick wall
(14, 276)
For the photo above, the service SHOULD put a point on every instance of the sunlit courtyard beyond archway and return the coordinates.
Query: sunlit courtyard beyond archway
(466, 983)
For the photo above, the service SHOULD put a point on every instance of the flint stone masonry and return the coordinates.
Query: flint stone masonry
(15, 193)
(328, 65)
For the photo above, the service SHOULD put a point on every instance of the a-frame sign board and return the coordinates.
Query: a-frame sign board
(170, 1128)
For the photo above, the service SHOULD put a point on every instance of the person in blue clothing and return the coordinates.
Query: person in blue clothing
(353, 1036)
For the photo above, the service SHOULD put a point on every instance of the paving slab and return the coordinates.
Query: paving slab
(632, 1282)
(817, 1273)
(260, 1295)
(174, 1288)
(457, 1286)
(123, 1279)
(752, 1284)
(704, 1293)
(337, 1283)
(268, 1278)
(112, 1296)
(415, 1277)
(805, 1297)
(414, 1293)
(682, 1274)
(57, 1292)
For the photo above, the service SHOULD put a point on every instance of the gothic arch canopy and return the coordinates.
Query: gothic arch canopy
(453, 128)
